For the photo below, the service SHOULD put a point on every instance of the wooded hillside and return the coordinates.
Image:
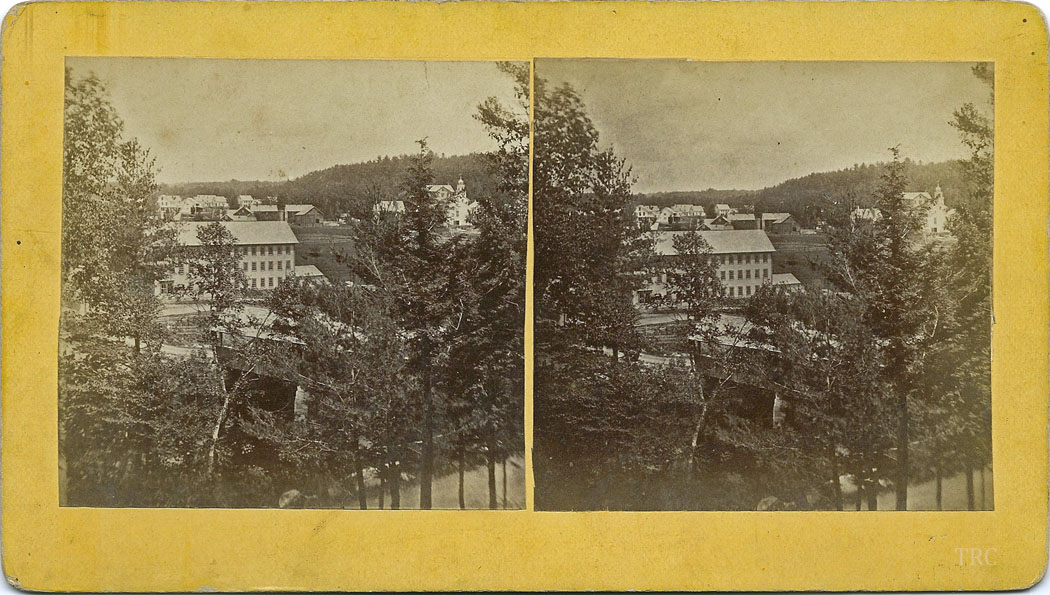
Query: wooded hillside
(350, 188)
(805, 195)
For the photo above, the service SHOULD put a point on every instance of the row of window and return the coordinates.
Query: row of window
(263, 250)
(262, 266)
(744, 274)
(263, 282)
(740, 258)
(740, 291)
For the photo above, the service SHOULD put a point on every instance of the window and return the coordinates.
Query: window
(288, 264)
(271, 250)
(747, 259)
(748, 271)
(253, 283)
(271, 265)
(182, 269)
(730, 275)
(722, 275)
(279, 263)
(765, 273)
(244, 265)
(271, 281)
(253, 266)
(748, 290)
(757, 273)
(253, 253)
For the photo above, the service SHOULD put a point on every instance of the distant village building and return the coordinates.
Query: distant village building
(744, 259)
(389, 207)
(246, 200)
(723, 209)
(459, 211)
(934, 214)
(862, 214)
(674, 217)
(646, 216)
(202, 207)
(786, 281)
(310, 273)
(241, 214)
(295, 214)
(719, 223)
(460, 207)
(266, 250)
(688, 210)
(769, 222)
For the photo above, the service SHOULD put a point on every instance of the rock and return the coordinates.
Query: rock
(291, 499)
(769, 503)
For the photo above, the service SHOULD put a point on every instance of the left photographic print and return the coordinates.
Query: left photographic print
(293, 284)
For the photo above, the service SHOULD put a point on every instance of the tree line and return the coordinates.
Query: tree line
(347, 188)
(808, 197)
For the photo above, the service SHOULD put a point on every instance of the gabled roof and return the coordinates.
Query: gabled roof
(773, 217)
(245, 233)
(437, 187)
(390, 206)
(869, 214)
(913, 196)
(784, 279)
(722, 206)
(296, 209)
(307, 270)
(721, 242)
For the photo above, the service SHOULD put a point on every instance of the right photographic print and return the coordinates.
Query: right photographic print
(762, 285)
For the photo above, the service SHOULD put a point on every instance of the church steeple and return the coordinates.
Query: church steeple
(460, 186)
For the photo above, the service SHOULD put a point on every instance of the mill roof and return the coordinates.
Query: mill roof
(721, 242)
(245, 233)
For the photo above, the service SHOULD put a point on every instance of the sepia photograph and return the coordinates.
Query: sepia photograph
(762, 286)
(293, 284)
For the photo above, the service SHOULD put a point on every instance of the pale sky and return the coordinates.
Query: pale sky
(216, 120)
(747, 125)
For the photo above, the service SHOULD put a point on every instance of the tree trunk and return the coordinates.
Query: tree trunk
(504, 483)
(969, 486)
(138, 345)
(873, 495)
(698, 432)
(395, 486)
(382, 487)
(359, 469)
(940, 486)
(426, 471)
(491, 456)
(903, 438)
(462, 465)
(223, 412)
(836, 486)
(860, 493)
(982, 487)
